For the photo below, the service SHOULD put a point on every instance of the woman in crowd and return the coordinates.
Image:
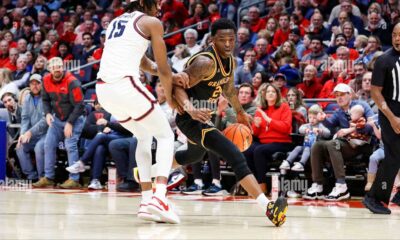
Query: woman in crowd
(272, 126)
(40, 66)
(259, 78)
(6, 83)
(295, 101)
(38, 37)
(286, 50)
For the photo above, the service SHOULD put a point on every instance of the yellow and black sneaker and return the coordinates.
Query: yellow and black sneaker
(276, 211)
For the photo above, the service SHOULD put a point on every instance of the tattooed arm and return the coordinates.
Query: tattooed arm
(230, 93)
(201, 68)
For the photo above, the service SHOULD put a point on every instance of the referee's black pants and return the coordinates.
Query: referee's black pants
(388, 168)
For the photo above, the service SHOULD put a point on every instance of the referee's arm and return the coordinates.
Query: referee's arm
(377, 83)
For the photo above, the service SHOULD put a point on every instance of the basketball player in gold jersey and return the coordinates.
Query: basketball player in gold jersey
(210, 74)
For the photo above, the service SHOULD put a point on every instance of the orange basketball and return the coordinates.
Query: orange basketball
(240, 135)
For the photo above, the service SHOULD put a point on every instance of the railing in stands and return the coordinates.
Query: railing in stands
(241, 9)
(255, 3)
(165, 36)
(185, 28)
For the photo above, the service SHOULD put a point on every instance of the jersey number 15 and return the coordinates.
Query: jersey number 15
(118, 29)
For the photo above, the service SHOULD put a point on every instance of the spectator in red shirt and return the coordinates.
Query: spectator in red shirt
(64, 51)
(99, 51)
(280, 83)
(12, 59)
(46, 50)
(68, 35)
(177, 9)
(57, 24)
(9, 37)
(3, 53)
(338, 72)
(272, 125)
(310, 87)
(169, 27)
(300, 21)
(256, 23)
(200, 14)
(282, 34)
(88, 26)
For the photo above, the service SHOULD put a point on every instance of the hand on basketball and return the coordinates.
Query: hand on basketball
(395, 123)
(243, 118)
(181, 79)
(202, 114)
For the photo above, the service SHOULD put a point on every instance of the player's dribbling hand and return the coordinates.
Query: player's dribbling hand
(181, 79)
(243, 118)
(202, 114)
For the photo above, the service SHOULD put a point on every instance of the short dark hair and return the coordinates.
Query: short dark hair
(6, 94)
(222, 24)
(87, 34)
(248, 85)
(147, 5)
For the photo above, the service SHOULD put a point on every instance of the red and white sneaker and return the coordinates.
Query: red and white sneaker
(144, 214)
(163, 210)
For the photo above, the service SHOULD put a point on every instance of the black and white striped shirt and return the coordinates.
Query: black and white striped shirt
(386, 74)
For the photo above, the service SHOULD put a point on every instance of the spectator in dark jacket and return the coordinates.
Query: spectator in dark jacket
(63, 108)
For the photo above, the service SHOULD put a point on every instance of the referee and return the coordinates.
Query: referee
(385, 92)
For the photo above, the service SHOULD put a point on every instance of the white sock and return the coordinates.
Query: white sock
(143, 159)
(216, 182)
(146, 195)
(161, 190)
(262, 201)
(164, 155)
(199, 182)
(154, 170)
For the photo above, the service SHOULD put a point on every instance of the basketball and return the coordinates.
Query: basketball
(240, 135)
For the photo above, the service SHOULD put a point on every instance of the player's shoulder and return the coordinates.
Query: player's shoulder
(149, 20)
(203, 58)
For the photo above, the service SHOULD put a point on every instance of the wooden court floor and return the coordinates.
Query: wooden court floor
(79, 214)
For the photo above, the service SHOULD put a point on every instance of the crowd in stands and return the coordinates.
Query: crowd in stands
(287, 51)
